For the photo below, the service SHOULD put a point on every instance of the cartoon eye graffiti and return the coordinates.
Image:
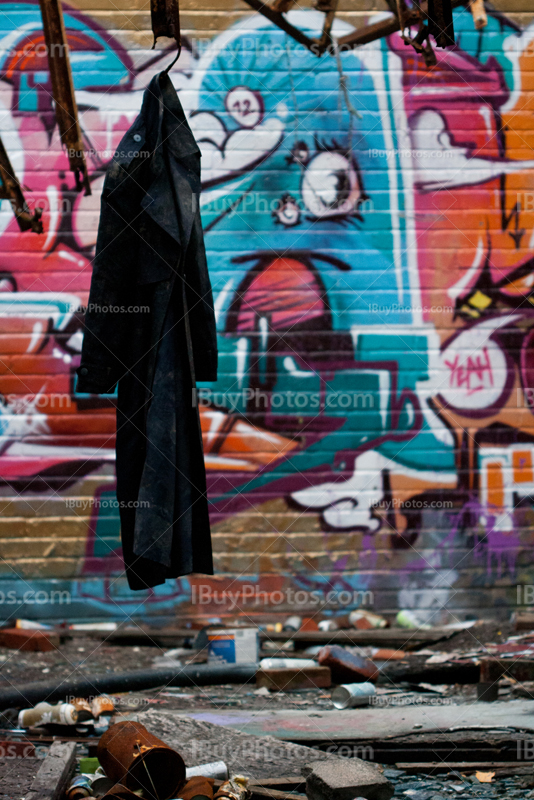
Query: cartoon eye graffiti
(331, 186)
(287, 211)
(299, 154)
(245, 106)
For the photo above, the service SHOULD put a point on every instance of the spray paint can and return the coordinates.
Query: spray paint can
(79, 789)
(352, 695)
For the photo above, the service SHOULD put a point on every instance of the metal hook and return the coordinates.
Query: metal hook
(175, 59)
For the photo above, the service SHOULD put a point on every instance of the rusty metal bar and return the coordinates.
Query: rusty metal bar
(165, 17)
(440, 22)
(283, 24)
(370, 33)
(329, 8)
(11, 190)
(63, 90)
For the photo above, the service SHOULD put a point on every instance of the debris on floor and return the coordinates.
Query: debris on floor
(373, 716)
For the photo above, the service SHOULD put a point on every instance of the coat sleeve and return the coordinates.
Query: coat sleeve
(112, 284)
(200, 306)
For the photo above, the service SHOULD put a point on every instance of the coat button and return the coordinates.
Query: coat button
(137, 137)
(84, 371)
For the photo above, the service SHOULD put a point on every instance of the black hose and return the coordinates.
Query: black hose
(30, 694)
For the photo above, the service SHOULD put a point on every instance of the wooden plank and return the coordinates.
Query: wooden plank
(379, 636)
(54, 773)
(395, 637)
(519, 668)
(285, 680)
(523, 620)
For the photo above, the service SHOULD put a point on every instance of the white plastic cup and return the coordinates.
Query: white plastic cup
(352, 695)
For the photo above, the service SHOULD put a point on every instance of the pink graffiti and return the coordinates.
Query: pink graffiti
(471, 374)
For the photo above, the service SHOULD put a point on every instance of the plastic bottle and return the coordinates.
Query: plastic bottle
(44, 713)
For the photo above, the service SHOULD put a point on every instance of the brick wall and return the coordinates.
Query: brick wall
(371, 432)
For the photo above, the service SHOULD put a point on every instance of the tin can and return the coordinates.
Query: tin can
(351, 695)
(137, 759)
(79, 789)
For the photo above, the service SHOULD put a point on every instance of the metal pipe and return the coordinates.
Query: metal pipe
(136, 680)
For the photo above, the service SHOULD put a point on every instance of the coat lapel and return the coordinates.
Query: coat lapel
(172, 197)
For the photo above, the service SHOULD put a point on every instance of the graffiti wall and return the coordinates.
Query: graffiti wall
(369, 224)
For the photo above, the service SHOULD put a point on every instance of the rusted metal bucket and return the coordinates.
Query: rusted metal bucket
(133, 757)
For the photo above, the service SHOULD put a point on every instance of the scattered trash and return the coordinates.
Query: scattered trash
(347, 667)
(351, 695)
(309, 624)
(44, 714)
(138, 760)
(32, 639)
(102, 705)
(32, 625)
(232, 646)
(80, 787)
(409, 619)
(384, 654)
(100, 783)
(94, 626)
(365, 620)
(285, 679)
(328, 625)
(287, 663)
(293, 623)
(485, 777)
(234, 789)
(83, 707)
(197, 788)
(213, 769)
(89, 766)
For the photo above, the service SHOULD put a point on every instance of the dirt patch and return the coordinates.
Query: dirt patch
(16, 777)
(480, 634)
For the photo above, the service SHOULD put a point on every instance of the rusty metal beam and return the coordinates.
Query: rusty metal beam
(63, 90)
(283, 24)
(11, 190)
(370, 33)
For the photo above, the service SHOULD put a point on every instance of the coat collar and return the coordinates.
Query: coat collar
(172, 196)
(164, 118)
(162, 130)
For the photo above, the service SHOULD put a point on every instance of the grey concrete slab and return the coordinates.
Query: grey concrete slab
(373, 722)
